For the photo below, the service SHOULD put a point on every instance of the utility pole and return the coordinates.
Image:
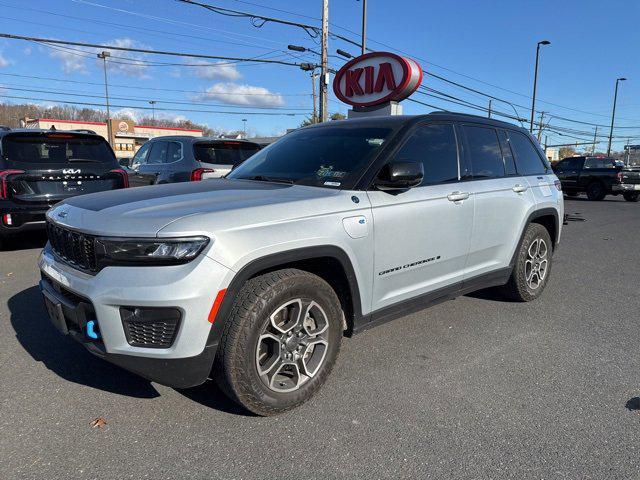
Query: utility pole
(540, 126)
(103, 55)
(315, 97)
(613, 114)
(595, 138)
(364, 27)
(324, 101)
(489, 113)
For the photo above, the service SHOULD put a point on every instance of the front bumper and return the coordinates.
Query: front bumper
(626, 187)
(190, 288)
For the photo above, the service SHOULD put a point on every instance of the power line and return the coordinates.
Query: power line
(95, 104)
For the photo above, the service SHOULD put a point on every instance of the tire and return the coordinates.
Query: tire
(262, 328)
(596, 191)
(631, 196)
(520, 286)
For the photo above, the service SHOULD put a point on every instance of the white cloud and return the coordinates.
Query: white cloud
(131, 113)
(221, 70)
(133, 66)
(71, 62)
(247, 95)
(3, 61)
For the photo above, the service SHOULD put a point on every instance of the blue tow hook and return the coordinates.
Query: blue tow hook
(91, 333)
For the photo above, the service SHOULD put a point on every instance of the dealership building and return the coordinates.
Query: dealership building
(126, 136)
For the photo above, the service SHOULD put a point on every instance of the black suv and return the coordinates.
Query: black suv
(38, 168)
(172, 159)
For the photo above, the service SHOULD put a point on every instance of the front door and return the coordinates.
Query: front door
(421, 236)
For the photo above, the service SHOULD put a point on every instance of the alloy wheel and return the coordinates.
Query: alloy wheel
(536, 264)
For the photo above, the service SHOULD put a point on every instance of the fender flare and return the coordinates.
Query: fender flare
(543, 212)
(280, 259)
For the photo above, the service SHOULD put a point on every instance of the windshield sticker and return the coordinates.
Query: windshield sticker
(327, 171)
(332, 184)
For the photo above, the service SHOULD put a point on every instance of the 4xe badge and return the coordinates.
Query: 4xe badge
(376, 78)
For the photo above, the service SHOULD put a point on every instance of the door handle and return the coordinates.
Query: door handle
(457, 196)
(519, 188)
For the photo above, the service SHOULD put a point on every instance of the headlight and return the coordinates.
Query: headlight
(148, 251)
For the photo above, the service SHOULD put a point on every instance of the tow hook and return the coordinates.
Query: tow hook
(91, 332)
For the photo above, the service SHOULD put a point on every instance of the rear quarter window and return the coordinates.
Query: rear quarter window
(528, 160)
(224, 153)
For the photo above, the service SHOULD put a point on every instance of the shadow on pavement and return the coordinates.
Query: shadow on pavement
(71, 361)
(24, 241)
(65, 357)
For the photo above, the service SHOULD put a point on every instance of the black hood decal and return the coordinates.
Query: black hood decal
(104, 200)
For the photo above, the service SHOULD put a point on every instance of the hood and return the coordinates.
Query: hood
(144, 211)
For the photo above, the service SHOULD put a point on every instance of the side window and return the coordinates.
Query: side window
(174, 152)
(507, 155)
(435, 146)
(528, 160)
(140, 158)
(484, 152)
(158, 153)
(571, 164)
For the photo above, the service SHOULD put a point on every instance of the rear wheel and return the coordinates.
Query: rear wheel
(596, 191)
(631, 196)
(533, 265)
(280, 342)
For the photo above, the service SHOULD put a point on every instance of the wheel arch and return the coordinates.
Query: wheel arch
(329, 262)
(548, 218)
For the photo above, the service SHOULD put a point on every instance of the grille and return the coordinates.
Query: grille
(75, 248)
(150, 327)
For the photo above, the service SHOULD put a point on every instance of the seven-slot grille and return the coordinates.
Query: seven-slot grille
(75, 248)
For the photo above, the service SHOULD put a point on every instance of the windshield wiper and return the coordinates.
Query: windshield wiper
(263, 178)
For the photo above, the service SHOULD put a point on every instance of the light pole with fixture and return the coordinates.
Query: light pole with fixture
(244, 127)
(153, 110)
(103, 55)
(535, 82)
(613, 113)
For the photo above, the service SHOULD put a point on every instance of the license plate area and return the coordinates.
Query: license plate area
(56, 314)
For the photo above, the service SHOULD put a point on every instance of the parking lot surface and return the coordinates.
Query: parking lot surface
(473, 388)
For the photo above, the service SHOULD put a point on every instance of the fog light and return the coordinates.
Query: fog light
(6, 219)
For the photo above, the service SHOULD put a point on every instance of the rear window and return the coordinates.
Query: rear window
(599, 162)
(224, 153)
(55, 148)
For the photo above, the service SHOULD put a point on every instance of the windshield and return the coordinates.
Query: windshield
(55, 148)
(332, 156)
(224, 153)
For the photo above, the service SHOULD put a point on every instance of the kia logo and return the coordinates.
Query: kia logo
(71, 171)
(376, 78)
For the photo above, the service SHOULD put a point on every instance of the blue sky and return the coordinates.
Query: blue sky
(488, 46)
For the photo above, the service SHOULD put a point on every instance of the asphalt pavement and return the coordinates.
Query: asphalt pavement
(477, 387)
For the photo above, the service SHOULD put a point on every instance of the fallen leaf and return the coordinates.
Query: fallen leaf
(98, 422)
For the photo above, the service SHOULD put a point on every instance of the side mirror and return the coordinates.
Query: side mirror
(400, 175)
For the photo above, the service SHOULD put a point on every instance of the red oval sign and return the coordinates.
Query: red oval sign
(376, 78)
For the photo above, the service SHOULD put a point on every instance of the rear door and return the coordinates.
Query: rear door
(502, 199)
(155, 163)
(52, 166)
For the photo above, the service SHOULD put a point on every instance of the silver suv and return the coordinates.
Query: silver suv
(253, 279)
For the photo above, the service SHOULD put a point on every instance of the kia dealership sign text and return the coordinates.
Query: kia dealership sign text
(377, 78)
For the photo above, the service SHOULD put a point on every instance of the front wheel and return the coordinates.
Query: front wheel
(596, 191)
(631, 196)
(533, 265)
(280, 342)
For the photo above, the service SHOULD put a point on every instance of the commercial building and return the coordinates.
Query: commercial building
(126, 136)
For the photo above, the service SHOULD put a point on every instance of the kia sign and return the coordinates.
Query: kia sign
(376, 78)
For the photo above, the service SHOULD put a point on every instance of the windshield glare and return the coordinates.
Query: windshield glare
(324, 157)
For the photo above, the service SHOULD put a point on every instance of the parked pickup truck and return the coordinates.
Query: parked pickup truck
(598, 177)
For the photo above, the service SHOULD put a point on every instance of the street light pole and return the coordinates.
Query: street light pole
(535, 82)
(244, 127)
(324, 63)
(153, 110)
(364, 27)
(103, 55)
(613, 113)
